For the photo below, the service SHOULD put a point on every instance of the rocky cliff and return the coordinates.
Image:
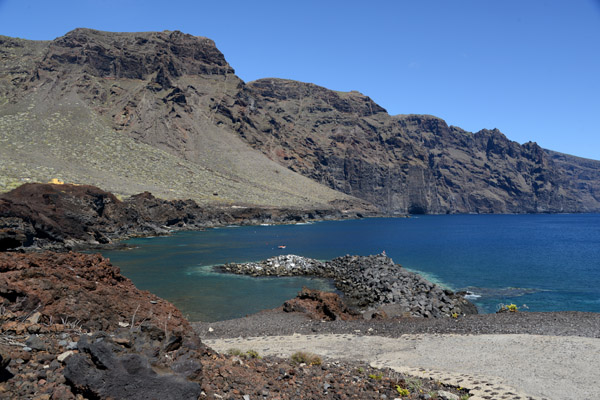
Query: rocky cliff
(407, 163)
(165, 112)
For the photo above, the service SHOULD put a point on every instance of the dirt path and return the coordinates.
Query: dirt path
(493, 366)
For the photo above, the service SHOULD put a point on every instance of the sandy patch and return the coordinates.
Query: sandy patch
(492, 366)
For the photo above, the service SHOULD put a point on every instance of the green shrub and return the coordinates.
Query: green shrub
(303, 357)
(235, 352)
(240, 353)
(401, 391)
(414, 384)
(507, 308)
(252, 354)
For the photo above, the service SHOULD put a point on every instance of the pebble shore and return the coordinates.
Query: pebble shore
(276, 322)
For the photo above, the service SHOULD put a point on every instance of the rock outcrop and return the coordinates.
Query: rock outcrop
(99, 372)
(80, 290)
(322, 306)
(50, 303)
(373, 283)
(54, 216)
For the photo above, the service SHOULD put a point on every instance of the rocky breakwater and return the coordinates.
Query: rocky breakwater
(374, 284)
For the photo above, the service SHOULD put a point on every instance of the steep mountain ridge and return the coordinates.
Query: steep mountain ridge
(131, 112)
(164, 112)
(408, 163)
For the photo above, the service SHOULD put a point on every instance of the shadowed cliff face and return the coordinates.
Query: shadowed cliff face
(407, 163)
(164, 112)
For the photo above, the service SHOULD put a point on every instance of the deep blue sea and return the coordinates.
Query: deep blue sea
(539, 262)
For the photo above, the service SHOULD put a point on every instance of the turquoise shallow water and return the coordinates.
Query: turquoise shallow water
(545, 262)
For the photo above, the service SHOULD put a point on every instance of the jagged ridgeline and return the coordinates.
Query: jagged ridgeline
(134, 112)
(164, 112)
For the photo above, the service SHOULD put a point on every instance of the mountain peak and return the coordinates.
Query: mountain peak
(135, 55)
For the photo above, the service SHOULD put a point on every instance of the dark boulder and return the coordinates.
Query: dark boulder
(99, 372)
(5, 373)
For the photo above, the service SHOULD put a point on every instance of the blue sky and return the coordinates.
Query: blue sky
(530, 68)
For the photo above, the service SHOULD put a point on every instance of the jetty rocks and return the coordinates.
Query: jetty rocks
(374, 284)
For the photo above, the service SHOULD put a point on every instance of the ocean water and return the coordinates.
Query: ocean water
(538, 262)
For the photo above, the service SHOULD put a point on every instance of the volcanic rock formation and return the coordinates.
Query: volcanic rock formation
(133, 113)
(407, 163)
(55, 216)
(374, 284)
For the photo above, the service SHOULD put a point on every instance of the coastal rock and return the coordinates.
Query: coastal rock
(372, 283)
(62, 316)
(320, 306)
(55, 214)
(140, 359)
(80, 291)
(64, 216)
(284, 265)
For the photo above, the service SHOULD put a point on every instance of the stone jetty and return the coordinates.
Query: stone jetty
(374, 284)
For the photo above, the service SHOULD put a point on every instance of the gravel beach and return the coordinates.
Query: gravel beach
(275, 323)
(498, 356)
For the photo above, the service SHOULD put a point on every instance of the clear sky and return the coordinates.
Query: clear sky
(530, 68)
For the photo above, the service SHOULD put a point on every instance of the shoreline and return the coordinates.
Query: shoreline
(143, 343)
(373, 285)
(75, 326)
(547, 355)
(276, 322)
(491, 366)
(86, 218)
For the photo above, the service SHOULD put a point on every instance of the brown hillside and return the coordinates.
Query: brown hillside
(133, 113)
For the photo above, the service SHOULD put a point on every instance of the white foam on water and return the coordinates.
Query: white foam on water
(431, 278)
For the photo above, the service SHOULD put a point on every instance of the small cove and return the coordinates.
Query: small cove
(546, 262)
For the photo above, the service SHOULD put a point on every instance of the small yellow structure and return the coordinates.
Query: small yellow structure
(56, 181)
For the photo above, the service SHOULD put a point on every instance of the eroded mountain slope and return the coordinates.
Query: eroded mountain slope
(407, 163)
(132, 112)
(164, 112)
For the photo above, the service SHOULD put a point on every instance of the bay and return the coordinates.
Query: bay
(538, 262)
